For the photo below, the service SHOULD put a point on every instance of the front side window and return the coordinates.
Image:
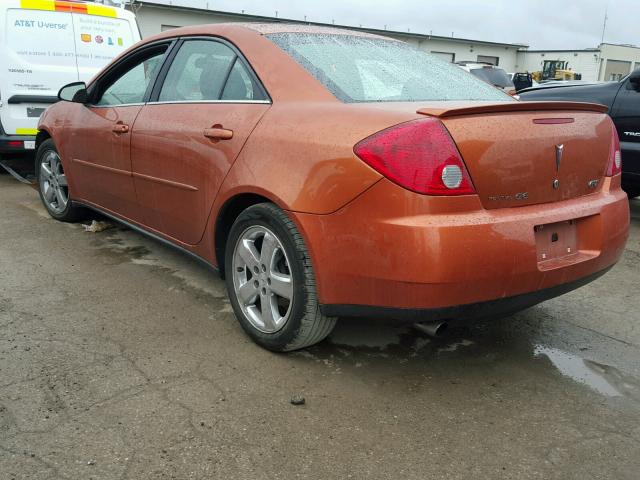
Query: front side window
(132, 86)
(368, 69)
(205, 70)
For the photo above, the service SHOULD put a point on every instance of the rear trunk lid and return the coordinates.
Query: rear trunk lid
(530, 153)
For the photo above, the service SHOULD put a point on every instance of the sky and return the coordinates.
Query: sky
(541, 24)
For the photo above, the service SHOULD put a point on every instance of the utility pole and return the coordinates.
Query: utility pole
(604, 25)
(604, 28)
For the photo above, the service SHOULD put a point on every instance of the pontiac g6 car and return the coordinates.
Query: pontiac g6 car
(331, 173)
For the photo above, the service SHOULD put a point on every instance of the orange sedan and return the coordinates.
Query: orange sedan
(331, 173)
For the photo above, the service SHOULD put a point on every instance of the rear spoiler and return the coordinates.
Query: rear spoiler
(505, 107)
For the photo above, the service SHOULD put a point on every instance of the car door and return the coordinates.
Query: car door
(626, 116)
(203, 108)
(99, 149)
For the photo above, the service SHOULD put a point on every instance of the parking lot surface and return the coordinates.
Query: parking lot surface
(121, 359)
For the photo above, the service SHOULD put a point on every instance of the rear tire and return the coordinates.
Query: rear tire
(53, 186)
(267, 263)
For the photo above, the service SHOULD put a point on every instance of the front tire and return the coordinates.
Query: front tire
(53, 186)
(271, 282)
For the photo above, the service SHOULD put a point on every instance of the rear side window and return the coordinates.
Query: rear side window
(367, 69)
(205, 70)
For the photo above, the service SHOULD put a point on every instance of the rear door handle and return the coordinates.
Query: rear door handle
(120, 128)
(218, 133)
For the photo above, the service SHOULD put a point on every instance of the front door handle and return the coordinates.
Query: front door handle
(218, 133)
(120, 128)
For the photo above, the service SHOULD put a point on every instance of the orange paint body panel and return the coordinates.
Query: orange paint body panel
(391, 247)
(372, 242)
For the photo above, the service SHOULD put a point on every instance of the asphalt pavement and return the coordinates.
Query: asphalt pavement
(120, 358)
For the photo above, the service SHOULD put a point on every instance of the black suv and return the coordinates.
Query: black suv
(623, 100)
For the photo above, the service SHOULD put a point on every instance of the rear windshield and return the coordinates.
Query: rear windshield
(493, 76)
(364, 69)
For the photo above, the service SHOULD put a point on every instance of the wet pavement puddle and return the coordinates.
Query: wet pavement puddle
(579, 369)
(604, 379)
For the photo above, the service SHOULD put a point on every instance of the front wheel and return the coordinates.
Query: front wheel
(53, 186)
(271, 282)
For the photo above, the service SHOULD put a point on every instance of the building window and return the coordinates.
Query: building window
(487, 59)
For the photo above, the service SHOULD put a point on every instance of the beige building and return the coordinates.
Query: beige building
(605, 63)
(154, 18)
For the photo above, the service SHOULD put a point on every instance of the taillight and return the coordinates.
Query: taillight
(615, 157)
(418, 155)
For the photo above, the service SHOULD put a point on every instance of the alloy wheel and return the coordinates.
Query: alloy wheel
(53, 182)
(262, 279)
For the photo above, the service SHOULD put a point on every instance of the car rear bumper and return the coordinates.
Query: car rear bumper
(15, 143)
(393, 253)
(473, 311)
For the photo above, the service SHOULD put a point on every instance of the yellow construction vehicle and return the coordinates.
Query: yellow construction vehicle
(555, 70)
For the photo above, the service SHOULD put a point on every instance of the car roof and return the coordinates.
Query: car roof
(225, 29)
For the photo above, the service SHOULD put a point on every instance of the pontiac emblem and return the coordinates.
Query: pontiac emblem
(559, 152)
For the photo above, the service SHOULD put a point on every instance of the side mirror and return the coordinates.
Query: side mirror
(634, 80)
(74, 92)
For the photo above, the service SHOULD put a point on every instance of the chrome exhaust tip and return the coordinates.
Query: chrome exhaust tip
(433, 329)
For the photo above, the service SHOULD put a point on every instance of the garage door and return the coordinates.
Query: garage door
(448, 57)
(488, 59)
(616, 69)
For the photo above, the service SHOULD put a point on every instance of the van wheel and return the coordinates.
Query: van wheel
(271, 283)
(53, 186)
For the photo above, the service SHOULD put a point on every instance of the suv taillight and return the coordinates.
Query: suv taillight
(615, 156)
(420, 156)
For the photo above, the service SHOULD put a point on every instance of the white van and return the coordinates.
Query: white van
(46, 44)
